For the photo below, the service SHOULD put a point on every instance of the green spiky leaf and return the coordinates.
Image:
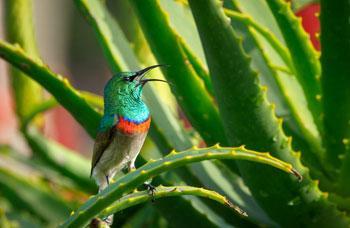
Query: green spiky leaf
(164, 191)
(335, 36)
(250, 120)
(187, 86)
(305, 59)
(130, 181)
(58, 86)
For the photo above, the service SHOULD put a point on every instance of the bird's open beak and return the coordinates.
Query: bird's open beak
(142, 73)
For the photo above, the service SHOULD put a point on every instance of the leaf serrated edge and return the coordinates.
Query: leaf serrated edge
(130, 181)
(163, 191)
(307, 68)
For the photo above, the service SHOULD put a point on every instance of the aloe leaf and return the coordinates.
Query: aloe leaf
(140, 197)
(25, 194)
(102, 22)
(269, 46)
(188, 87)
(66, 162)
(181, 40)
(305, 59)
(181, 20)
(313, 152)
(270, 37)
(249, 120)
(197, 66)
(93, 99)
(182, 23)
(37, 109)
(335, 35)
(285, 92)
(61, 159)
(198, 169)
(271, 58)
(178, 215)
(58, 86)
(19, 29)
(130, 181)
(299, 4)
(222, 180)
(165, 191)
(193, 209)
(260, 12)
(234, 188)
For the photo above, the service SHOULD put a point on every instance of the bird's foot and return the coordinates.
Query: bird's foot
(151, 190)
(131, 169)
(101, 223)
(108, 220)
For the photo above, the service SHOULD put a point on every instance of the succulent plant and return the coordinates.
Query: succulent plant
(255, 92)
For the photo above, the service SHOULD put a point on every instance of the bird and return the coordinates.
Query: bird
(123, 127)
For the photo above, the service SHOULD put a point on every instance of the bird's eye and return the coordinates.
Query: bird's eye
(127, 79)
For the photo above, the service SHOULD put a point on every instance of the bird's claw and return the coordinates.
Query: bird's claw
(108, 220)
(151, 190)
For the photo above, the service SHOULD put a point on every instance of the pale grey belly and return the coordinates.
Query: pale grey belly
(122, 151)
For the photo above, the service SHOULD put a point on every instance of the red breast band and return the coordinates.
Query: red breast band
(128, 127)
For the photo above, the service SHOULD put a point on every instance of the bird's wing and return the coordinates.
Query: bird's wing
(103, 139)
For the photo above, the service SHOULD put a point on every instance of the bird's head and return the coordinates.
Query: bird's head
(123, 91)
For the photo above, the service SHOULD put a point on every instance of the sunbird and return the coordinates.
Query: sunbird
(123, 127)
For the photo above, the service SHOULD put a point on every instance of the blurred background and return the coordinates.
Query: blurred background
(70, 48)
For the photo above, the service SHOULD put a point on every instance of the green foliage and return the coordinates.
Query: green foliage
(237, 93)
(20, 31)
(258, 84)
(162, 191)
(25, 195)
(175, 159)
(335, 84)
(305, 60)
(188, 87)
(58, 86)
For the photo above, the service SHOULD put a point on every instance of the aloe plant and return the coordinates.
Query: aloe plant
(257, 96)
